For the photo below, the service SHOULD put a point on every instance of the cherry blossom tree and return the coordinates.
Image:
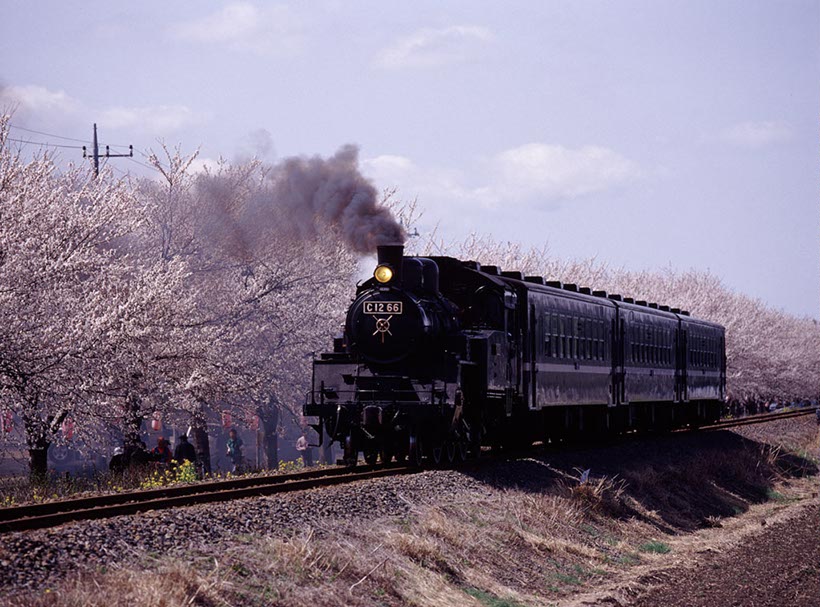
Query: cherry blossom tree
(66, 293)
(259, 298)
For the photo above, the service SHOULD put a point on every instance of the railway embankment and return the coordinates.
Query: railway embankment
(589, 525)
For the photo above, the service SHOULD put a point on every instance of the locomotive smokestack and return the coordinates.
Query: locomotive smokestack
(391, 255)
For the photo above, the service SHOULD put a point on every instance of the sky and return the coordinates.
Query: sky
(645, 133)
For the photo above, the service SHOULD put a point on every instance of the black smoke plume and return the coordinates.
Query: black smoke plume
(332, 190)
(298, 198)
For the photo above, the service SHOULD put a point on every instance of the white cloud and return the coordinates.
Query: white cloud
(388, 167)
(550, 172)
(201, 165)
(157, 120)
(242, 26)
(535, 174)
(757, 134)
(36, 99)
(434, 47)
(412, 180)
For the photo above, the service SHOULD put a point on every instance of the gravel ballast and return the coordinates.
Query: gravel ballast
(33, 559)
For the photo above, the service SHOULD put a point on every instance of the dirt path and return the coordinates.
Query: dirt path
(778, 567)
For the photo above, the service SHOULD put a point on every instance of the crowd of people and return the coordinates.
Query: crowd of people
(139, 456)
(734, 407)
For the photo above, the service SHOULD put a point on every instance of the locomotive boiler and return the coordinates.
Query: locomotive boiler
(440, 357)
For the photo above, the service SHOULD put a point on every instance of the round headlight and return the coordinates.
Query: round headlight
(383, 274)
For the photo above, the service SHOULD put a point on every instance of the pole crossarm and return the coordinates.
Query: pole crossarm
(95, 154)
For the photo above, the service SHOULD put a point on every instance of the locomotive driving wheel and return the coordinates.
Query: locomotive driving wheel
(351, 453)
(451, 448)
(386, 452)
(415, 453)
(463, 452)
(400, 447)
(371, 455)
(437, 453)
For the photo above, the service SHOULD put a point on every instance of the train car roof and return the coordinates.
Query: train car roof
(569, 291)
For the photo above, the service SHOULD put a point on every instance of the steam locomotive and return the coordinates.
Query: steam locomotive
(440, 357)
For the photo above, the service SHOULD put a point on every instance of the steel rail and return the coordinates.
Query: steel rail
(39, 516)
(758, 419)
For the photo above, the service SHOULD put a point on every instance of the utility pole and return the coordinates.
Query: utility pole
(96, 153)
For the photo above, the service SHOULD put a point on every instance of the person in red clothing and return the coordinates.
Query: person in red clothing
(162, 452)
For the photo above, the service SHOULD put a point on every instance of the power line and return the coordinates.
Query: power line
(152, 158)
(21, 128)
(142, 164)
(45, 143)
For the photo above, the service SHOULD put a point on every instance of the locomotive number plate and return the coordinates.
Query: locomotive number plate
(382, 307)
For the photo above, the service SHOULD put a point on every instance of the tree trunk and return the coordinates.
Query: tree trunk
(269, 415)
(38, 433)
(38, 462)
(132, 424)
(201, 441)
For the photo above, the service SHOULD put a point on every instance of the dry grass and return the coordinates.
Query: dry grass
(166, 586)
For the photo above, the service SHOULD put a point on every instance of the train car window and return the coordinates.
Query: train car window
(662, 347)
(565, 341)
(596, 335)
(592, 342)
(642, 345)
(711, 352)
(597, 339)
(582, 339)
(547, 335)
(656, 351)
(694, 347)
(647, 345)
(488, 309)
(545, 322)
(561, 343)
(574, 339)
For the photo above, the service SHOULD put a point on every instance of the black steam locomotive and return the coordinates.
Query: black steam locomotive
(441, 356)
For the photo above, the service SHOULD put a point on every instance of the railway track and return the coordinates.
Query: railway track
(758, 419)
(51, 514)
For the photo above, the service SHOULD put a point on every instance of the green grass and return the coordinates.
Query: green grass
(490, 600)
(655, 547)
(568, 579)
(628, 559)
(776, 496)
